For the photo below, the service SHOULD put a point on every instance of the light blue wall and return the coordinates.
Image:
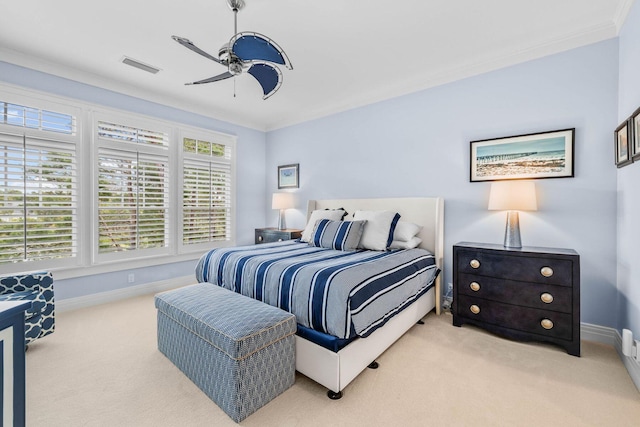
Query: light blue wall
(418, 145)
(250, 171)
(629, 180)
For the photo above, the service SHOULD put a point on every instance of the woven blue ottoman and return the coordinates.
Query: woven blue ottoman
(240, 352)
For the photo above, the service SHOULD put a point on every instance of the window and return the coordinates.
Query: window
(19, 115)
(38, 185)
(133, 188)
(86, 189)
(207, 196)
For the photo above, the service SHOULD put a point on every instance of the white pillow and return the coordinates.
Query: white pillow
(378, 231)
(405, 231)
(332, 214)
(410, 244)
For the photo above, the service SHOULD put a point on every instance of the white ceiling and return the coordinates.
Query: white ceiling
(345, 53)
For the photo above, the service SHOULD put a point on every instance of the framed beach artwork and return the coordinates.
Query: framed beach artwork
(288, 176)
(635, 135)
(531, 156)
(621, 144)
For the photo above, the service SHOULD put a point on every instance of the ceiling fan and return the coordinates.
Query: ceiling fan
(247, 50)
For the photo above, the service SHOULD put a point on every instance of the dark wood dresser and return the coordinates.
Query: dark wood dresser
(529, 294)
(268, 235)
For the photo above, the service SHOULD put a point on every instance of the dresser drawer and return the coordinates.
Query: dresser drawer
(525, 319)
(527, 269)
(535, 295)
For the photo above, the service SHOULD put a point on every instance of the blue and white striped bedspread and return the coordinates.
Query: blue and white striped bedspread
(339, 293)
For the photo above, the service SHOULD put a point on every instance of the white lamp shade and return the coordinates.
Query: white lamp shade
(513, 195)
(282, 201)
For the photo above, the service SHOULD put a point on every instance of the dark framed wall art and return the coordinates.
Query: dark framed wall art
(530, 156)
(635, 135)
(289, 176)
(622, 137)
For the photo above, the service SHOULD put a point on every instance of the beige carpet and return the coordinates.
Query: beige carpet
(101, 368)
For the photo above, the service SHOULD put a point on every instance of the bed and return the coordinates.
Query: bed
(350, 305)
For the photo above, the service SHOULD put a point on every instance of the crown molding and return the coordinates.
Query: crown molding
(624, 7)
(567, 42)
(58, 70)
(400, 88)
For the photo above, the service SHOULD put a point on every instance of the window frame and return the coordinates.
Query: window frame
(97, 142)
(74, 139)
(217, 138)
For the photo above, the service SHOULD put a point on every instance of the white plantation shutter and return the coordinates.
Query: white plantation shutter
(153, 201)
(39, 199)
(117, 200)
(133, 189)
(132, 200)
(207, 193)
(206, 202)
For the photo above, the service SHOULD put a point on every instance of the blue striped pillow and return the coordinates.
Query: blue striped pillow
(338, 235)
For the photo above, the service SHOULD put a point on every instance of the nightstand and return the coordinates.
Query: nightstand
(529, 294)
(268, 235)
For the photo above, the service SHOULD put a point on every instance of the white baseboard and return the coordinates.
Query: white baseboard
(589, 332)
(601, 334)
(119, 294)
(613, 338)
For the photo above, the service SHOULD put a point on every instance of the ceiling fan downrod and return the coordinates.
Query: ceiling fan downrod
(235, 6)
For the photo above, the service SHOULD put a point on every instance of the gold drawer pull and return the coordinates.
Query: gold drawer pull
(475, 286)
(546, 298)
(546, 323)
(546, 271)
(474, 263)
(474, 309)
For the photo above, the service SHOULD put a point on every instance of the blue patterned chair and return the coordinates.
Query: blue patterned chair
(37, 288)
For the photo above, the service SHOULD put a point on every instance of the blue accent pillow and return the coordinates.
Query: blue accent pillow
(338, 235)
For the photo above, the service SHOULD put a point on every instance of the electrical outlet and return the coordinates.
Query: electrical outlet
(448, 297)
(448, 293)
(131, 278)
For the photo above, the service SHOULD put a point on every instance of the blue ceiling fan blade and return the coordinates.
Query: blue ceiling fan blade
(269, 77)
(250, 46)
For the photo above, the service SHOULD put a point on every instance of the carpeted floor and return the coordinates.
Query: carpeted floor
(102, 368)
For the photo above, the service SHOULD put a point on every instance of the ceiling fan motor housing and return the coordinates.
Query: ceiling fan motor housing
(235, 5)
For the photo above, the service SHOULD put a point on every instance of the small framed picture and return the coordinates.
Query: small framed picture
(531, 156)
(635, 135)
(289, 176)
(621, 141)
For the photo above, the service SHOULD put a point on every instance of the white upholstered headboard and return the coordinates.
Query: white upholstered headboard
(426, 211)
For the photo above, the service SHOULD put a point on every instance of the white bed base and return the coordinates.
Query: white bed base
(336, 370)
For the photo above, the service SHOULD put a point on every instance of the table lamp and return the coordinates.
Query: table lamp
(512, 196)
(282, 201)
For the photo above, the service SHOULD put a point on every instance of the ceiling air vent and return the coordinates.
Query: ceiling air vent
(140, 65)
